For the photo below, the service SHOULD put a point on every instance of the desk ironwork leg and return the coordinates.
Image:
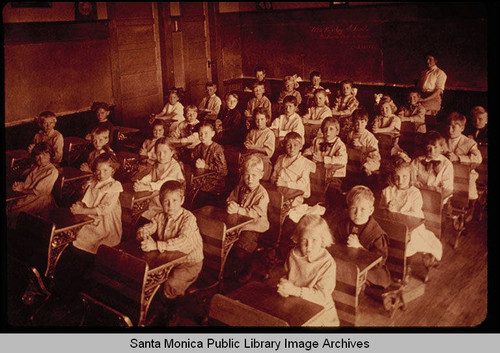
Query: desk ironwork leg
(58, 243)
(153, 282)
(138, 208)
(230, 239)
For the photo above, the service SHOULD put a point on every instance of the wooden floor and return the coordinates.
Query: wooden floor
(456, 295)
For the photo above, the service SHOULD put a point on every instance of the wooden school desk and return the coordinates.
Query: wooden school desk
(157, 271)
(69, 182)
(410, 221)
(353, 265)
(66, 227)
(73, 148)
(17, 161)
(233, 223)
(264, 297)
(135, 201)
(11, 197)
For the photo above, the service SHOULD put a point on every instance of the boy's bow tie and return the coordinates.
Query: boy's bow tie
(325, 145)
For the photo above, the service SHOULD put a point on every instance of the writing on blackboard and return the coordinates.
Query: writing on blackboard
(351, 31)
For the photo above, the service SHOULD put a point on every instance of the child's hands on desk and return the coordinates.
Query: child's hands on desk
(232, 207)
(148, 244)
(85, 168)
(452, 157)
(200, 163)
(138, 186)
(18, 186)
(77, 208)
(287, 288)
(353, 241)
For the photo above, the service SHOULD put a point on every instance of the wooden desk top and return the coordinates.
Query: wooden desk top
(64, 220)
(154, 259)
(288, 193)
(126, 130)
(264, 297)
(128, 188)
(71, 173)
(11, 195)
(232, 221)
(362, 258)
(409, 221)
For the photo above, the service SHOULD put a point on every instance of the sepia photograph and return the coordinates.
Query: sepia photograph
(208, 165)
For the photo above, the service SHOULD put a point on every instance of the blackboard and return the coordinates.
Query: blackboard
(64, 70)
(383, 45)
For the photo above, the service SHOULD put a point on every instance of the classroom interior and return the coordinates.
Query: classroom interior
(59, 57)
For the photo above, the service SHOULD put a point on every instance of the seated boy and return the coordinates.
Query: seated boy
(479, 129)
(289, 120)
(361, 230)
(414, 112)
(363, 140)
(176, 230)
(210, 104)
(249, 198)
(259, 100)
(462, 149)
(433, 171)
(292, 169)
(260, 77)
(209, 155)
(330, 150)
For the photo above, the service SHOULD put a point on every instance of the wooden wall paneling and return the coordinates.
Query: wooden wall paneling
(165, 27)
(215, 45)
(137, 71)
(195, 50)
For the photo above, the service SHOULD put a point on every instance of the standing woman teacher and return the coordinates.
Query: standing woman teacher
(431, 85)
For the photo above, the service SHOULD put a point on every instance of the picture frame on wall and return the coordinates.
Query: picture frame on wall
(85, 11)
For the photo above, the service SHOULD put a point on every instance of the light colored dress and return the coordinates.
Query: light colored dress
(370, 155)
(294, 173)
(467, 151)
(409, 202)
(106, 229)
(333, 152)
(156, 178)
(40, 180)
(285, 124)
(317, 278)
(262, 138)
(55, 140)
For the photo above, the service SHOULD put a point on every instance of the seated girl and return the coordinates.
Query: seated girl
(165, 168)
(290, 85)
(261, 140)
(402, 197)
(47, 121)
(386, 121)
(38, 185)
(311, 270)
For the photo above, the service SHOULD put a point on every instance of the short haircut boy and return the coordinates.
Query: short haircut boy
(330, 120)
(190, 107)
(262, 111)
(46, 114)
(346, 82)
(210, 84)
(314, 74)
(310, 221)
(252, 162)
(207, 124)
(414, 90)
(257, 83)
(98, 130)
(98, 105)
(433, 138)
(163, 141)
(42, 147)
(172, 186)
(477, 110)
(292, 135)
(290, 99)
(259, 68)
(360, 192)
(158, 122)
(360, 114)
(456, 117)
(232, 93)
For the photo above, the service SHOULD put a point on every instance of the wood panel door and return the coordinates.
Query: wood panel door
(196, 50)
(136, 68)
